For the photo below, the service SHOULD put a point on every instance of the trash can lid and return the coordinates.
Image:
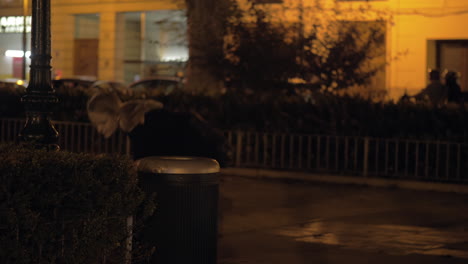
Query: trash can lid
(177, 165)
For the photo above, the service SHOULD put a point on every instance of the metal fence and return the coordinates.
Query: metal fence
(363, 156)
(74, 137)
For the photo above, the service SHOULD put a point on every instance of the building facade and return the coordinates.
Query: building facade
(125, 40)
(424, 35)
(121, 40)
(12, 30)
(420, 35)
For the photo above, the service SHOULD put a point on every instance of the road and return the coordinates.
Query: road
(269, 221)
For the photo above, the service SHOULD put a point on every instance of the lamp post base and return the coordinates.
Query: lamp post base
(38, 128)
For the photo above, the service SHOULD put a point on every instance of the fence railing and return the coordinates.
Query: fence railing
(363, 156)
(74, 137)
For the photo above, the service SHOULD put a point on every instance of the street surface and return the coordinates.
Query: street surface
(269, 222)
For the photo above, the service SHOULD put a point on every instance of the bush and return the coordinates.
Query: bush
(317, 113)
(326, 114)
(10, 105)
(60, 207)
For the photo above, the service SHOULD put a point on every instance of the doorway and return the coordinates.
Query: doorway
(452, 55)
(86, 45)
(86, 57)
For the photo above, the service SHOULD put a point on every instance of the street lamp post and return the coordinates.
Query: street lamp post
(25, 15)
(40, 96)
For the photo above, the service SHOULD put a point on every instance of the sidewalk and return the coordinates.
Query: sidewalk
(269, 221)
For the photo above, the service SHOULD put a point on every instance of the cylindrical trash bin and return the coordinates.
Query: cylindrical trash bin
(184, 227)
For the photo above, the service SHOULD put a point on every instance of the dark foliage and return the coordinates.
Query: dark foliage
(59, 207)
(321, 113)
(258, 57)
(325, 114)
(10, 104)
(264, 53)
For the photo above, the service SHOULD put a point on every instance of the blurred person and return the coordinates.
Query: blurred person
(406, 99)
(103, 112)
(454, 94)
(155, 131)
(435, 92)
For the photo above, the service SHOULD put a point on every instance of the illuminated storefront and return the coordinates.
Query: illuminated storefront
(122, 41)
(12, 30)
(148, 44)
(154, 43)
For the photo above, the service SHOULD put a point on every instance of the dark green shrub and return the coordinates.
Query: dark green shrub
(321, 113)
(326, 114)
(60, 207)
(10, 104)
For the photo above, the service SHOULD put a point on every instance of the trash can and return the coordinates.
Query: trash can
(184, 227)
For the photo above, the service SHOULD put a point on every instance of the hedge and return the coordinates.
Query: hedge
(289, 113)
(326, 114)
(61, 207)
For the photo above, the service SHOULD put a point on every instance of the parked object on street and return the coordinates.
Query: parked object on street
(157, 85)
(13, 85)
(87, 86)
(108, 86)
(184, 228)
(72, 85)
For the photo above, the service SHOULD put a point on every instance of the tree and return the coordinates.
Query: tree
(267, 47)
(206, 28)
(254, 47)
(258, 54)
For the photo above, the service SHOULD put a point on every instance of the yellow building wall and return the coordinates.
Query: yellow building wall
(411, 34)
(11, 8)
(411, 25)
(108, 49)
(63, 36)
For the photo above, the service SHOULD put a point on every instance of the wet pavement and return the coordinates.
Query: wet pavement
(265, 221)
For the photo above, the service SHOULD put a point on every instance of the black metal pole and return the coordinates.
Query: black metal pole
(25, 46)
(40, 96)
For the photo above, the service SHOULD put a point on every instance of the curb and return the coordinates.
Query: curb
(353, 180)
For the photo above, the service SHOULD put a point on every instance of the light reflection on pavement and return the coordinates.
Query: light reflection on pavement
(296, 223)
(392, 239)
